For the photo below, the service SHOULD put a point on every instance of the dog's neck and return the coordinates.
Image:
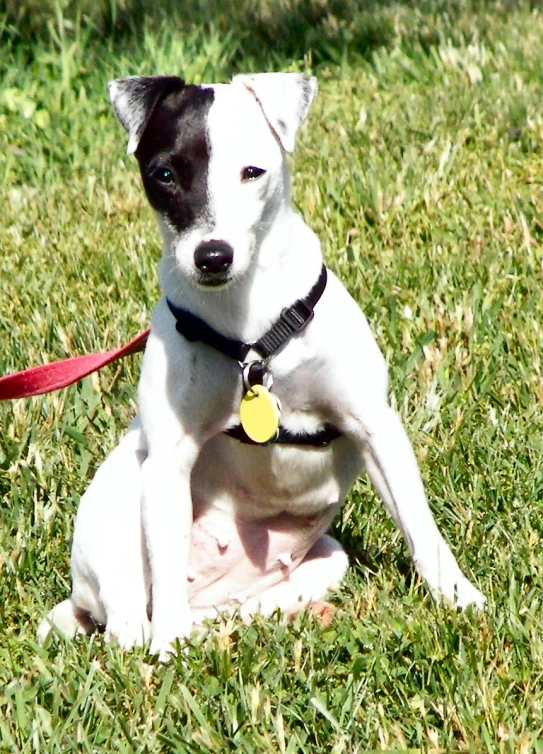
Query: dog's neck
(286, 265)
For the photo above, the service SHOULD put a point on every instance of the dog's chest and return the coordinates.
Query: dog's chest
(252, 482)
(215, 389)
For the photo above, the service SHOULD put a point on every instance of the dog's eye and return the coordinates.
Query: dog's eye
(163, 175)
(251, 173)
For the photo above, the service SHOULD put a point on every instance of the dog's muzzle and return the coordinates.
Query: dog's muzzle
(213, 259)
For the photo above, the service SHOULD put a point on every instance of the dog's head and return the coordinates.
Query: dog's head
(212, 160)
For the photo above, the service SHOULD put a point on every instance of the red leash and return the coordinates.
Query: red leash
(60, 374)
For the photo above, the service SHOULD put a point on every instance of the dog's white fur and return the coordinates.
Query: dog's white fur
(133, 529)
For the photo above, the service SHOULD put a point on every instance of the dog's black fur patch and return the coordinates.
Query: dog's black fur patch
(141, 94)
(176, 139)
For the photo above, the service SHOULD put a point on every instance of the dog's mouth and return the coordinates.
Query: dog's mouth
(213, 280)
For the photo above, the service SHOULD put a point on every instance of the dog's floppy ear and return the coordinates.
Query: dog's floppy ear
(135, 98)
(285, 99)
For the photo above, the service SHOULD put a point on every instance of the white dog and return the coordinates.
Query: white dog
(188, 517)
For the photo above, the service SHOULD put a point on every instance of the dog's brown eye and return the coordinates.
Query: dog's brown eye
(164, 175)
(251, 173)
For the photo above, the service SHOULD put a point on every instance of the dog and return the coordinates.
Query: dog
(191, 516)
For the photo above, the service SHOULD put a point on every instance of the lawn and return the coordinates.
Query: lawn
(421, 170)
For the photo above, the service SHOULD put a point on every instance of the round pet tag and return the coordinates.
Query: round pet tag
(259, 414)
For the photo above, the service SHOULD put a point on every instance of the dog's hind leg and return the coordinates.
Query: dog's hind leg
(322, 570)
(110, 573)
(109, 563)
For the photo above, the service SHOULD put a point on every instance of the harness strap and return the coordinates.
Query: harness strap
(320, 439)
(292, 320)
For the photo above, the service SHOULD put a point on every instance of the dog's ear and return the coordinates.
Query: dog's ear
(285, 99)
(135, 98)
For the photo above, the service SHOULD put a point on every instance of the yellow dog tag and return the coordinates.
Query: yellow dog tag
(259, 414)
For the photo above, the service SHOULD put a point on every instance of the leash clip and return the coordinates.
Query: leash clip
(255, 373)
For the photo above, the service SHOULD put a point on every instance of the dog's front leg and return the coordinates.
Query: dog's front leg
(167, 409)
(167, 523)
(391, 464)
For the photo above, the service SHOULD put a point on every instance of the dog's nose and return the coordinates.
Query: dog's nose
(213, 257)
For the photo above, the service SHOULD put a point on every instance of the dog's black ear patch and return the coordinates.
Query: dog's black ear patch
(176, 140)
(135, 98)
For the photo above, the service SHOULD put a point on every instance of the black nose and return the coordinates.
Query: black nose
(213, 257)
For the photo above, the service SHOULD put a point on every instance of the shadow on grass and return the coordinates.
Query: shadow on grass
(265, 31)
(374, 560)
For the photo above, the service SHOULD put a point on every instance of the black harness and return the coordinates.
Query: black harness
(292, 321)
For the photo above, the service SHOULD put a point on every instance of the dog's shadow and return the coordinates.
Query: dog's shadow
(372, 560)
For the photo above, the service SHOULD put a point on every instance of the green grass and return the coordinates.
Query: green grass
(421, 171)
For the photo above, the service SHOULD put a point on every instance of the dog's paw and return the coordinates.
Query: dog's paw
(457, 591)
(163, 649)
(62, 617)
(166, 635)
(447, 582)
(465, 594)
(128, 631)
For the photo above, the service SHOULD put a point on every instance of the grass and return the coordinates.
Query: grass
(420, 169)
